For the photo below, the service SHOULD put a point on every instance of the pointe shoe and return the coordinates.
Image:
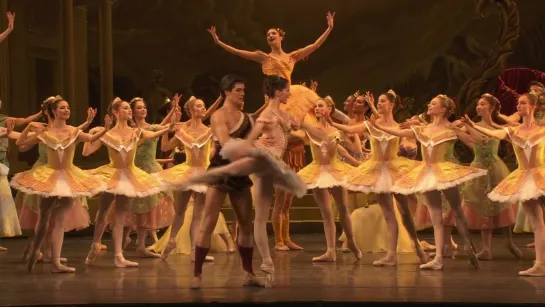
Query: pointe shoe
(32, 259)
(472, 257)
(3, 249)
(426, 246)
(57, 267)
(538, 270)
(121, 262)
(103, 247)
(47, 259)
(144, 253)
(422, 256)
(170, 246)
(269, 270)
(514, 250)
(91, 257)
(351, 244)
(531, 245)
(435, 265)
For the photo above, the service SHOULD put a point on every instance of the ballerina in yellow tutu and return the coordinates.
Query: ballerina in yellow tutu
(328, 173)
(527, 183)
(378, 174)
(196, 139)
(436, 175)
(278, 62)
(58, 182)
(123, 179)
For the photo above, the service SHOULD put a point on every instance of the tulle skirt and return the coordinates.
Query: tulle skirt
(9, 223)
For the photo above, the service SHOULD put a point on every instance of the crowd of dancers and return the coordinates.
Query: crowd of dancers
(258, 160)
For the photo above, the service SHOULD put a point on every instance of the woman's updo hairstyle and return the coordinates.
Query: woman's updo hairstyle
(274, 83)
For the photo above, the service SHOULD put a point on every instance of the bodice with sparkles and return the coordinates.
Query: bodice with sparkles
(59, 153)
(275, 135)
(122, 153)
(326, 151)
(197, 149)
(146, 152)
(275, 66)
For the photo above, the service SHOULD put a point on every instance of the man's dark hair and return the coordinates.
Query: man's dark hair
(228, 82)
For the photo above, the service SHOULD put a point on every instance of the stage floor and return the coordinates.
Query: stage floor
(297, 279)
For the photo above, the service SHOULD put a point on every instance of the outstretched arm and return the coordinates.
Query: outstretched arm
(255, 56)
(29, 138)
(495, 133)
(306, 51)
(23, 121)
(167, 145)
(408, 133)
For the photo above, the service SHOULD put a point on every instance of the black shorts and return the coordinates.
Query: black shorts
(232, 183)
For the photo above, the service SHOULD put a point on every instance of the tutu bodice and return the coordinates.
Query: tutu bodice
(302, 98)
(197, 150)
(528, 180)
(326, 169)
(275, 136)
(436, 171)
(276, 66)
(378, 173)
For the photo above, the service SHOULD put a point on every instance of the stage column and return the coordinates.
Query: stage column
(67, 8)
(81, 82)
(106, 55)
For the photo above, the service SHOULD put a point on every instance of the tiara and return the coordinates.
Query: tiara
(393, 93)
(356, 94)
(281, 32)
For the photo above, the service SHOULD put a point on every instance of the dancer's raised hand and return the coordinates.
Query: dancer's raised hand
(212, 31)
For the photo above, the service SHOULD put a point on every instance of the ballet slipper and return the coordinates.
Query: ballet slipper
(3, 249)
(170, 246)
(426, 246)
(388, 260)
(47, 259)
(121, 262)
(538, 270)
(144, 253)
(103, 247)
(57, 267)
(329, 256)
(292, 246)
(484, 255)
(514, 250)
(436, 264)
(91, 257)
(418, 250)
(251, 280)
(281, 247)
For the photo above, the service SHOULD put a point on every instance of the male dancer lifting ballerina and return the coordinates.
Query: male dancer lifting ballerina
(228, 122)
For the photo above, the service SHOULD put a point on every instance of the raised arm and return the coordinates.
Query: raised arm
(90, 138)
(370, 99)
(11, 23)
(23, 121)
(91, 147)
(90, 116)
(255, 56)
(408, 133)
(166, 144)
(359, 128)
(306, 51)
(511, 120)
(212, 108)
(29, 138)
(495, 133)
(175, 108)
